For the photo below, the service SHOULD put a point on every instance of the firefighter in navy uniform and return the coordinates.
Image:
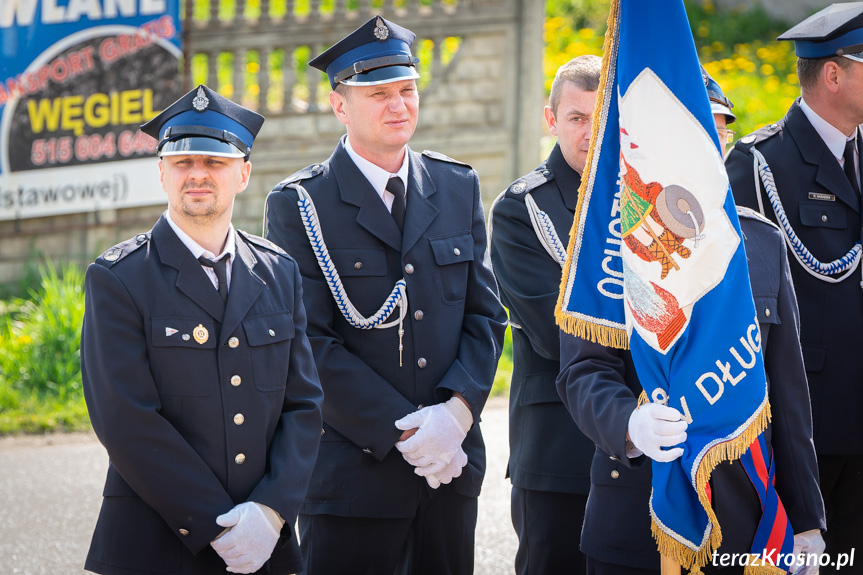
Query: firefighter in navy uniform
(549, 462)
(197, 371)
(809, 183)
(600, 387)
(404, 321)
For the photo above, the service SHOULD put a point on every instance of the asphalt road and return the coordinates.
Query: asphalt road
(50, 492)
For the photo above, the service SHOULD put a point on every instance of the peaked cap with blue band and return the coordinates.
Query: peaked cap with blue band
(204, 122)
(834, 31)
(378, 52)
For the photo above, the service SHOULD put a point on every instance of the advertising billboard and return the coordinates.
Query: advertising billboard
(78, 77)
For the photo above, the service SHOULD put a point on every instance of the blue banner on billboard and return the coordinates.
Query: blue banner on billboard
(78, 77)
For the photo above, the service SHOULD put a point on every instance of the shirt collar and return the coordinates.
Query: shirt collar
(377, 176)
(196, 249)
(831, 135)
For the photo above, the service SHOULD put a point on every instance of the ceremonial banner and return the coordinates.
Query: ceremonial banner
(77, 79)
(656, 212)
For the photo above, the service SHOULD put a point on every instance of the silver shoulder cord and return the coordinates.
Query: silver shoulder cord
(844, 265)
(398, 296)
(545, 232)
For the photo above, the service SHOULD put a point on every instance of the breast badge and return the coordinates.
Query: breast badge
(201, 334)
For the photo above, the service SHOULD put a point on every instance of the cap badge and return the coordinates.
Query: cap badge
(200, 102)
(201, 334)
(381, 30)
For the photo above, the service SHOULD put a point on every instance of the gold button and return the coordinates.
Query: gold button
(358, 266)
(767, 312)
(456, 251)
(409, 269)
(272, 333)
(615, 474)
(236, 380)
(239, 419)
(418, 315)
(240, 459)
(421, 362)
(233, 342)
(184, 532)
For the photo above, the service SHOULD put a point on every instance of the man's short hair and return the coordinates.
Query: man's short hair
(809, 69)
(583, 72)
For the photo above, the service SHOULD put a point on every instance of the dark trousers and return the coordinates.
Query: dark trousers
(595, 567)
(438, 540)
(548, 525)
(842, 489)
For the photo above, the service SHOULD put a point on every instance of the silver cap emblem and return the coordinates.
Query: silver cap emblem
(381, 30)
(200, 102)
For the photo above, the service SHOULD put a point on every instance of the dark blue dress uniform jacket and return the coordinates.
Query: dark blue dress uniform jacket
(600, 388)
(175, 414)
(453, 331)
(547, 450)
(831, 315)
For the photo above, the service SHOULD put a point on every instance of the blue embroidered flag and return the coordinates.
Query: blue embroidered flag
(656, 263)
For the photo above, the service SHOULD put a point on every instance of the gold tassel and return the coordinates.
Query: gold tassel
(728, 451)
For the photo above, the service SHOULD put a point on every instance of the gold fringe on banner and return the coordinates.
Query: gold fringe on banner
(727, 451)
(579, 327)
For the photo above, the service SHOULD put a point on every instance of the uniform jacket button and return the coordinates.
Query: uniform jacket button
(767, 312)
(239, 419)
(409, 269)
(233, 342)
(323, 431)
(456, 251)
(824, 218)
(358, 266)
(615, 474)
(272, 333)
(418, 315)
(236, 380)
(184, 532)
(240, 459)
(367, 450)
(421, 362)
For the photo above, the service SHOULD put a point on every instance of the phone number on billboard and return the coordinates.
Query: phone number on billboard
(53, 151)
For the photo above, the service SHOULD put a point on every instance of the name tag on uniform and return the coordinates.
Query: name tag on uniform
(822, 197)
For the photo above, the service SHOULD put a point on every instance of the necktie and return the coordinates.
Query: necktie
(850, 170)
(397, 189)
(220, 266)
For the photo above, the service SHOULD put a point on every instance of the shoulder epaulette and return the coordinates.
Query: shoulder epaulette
(112, 255)
(531, 181)
(306, 173)
(757, 136)
(263, 243)
(749, 213)
(442, 158)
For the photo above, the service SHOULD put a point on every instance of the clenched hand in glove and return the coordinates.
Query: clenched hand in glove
(808, 548)
(250, 539)
(653, 426)
(441, 429)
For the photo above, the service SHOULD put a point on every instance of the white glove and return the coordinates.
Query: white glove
(441, 430)
(450, 472)
(653, 426)
(807, 543)
(250, 541)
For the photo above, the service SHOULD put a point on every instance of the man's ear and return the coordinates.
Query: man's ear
(550, 120)
(337, 102)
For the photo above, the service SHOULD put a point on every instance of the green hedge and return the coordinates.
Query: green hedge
(40, 372)
(736, 46)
